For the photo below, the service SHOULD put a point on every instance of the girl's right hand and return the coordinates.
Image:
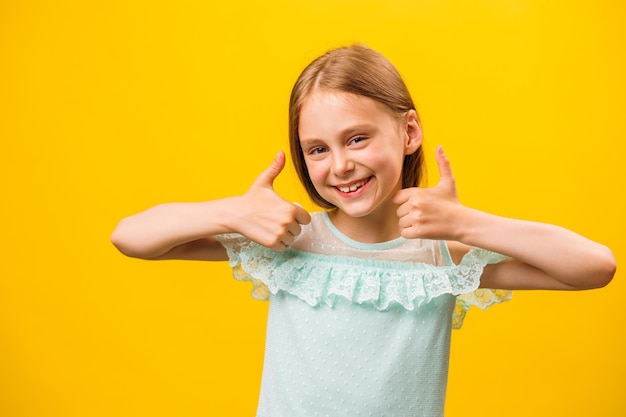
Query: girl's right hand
(186, 230)
(265, 217)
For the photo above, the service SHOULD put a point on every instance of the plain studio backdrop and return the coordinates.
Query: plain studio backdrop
(108, 108)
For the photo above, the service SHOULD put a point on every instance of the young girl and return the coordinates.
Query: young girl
(363, 294)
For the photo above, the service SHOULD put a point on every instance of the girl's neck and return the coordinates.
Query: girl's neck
(376, 227)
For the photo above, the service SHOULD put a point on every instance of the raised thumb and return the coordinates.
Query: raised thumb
(445, 170)
(267, 177)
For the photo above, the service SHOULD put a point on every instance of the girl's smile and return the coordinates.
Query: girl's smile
(354, 150)
(351, 189)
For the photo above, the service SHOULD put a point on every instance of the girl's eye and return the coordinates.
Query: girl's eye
(357, 139)
(317, 150)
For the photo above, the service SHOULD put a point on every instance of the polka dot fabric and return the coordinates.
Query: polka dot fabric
(347, 360)
(358, 329)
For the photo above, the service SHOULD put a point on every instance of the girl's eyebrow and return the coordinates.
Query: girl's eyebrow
(351, 130)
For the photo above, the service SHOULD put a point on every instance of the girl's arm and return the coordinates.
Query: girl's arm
(185, 230)
(543, 256)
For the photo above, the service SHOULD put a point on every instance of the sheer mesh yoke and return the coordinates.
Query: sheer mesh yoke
(358, 329)
(323, 264)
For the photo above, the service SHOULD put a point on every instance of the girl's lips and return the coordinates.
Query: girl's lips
(353, 187)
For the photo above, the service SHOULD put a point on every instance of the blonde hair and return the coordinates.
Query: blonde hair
(359, 70)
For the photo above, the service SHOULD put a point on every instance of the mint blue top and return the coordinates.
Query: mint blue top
(358, 329)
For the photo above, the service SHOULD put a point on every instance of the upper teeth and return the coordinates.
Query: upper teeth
(353, 187)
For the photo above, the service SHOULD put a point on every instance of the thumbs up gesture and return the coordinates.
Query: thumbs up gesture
(265, 217)
(431, 213)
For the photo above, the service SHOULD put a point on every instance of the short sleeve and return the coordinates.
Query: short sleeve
(479, 297)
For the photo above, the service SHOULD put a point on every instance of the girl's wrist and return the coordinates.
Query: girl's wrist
(228, 214)
(469, 222)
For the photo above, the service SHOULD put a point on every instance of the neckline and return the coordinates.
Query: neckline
(355, 243)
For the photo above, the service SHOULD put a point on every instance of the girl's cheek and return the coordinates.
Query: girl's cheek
(316, 170)
(316, 178)
(317, 175)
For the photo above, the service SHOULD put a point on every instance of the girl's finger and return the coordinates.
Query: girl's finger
(403, 210)
(401, 196)
(267, 177)
(443, 163)
(294, 229)
(405, 222)
(302, 216)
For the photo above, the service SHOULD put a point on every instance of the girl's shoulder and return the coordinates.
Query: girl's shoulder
(457, 250)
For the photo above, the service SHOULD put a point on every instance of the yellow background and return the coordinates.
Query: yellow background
(107, 108)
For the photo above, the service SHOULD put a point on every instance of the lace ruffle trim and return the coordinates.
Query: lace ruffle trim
(318, 279)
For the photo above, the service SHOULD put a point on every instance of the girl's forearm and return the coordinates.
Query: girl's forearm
(560, 253)
(157, 230)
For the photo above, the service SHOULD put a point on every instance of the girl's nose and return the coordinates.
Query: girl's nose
(342, 164)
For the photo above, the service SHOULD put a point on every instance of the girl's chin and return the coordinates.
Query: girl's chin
(356, 210)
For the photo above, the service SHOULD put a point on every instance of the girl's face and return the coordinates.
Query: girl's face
(354, 149)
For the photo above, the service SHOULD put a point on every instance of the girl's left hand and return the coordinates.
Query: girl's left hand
(431, 213)
(543, 256)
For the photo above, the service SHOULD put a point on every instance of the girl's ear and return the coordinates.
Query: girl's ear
(413, 132)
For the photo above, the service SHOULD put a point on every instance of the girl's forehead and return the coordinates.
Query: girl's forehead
(320, 101)
(333, 97)
(326, 112)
